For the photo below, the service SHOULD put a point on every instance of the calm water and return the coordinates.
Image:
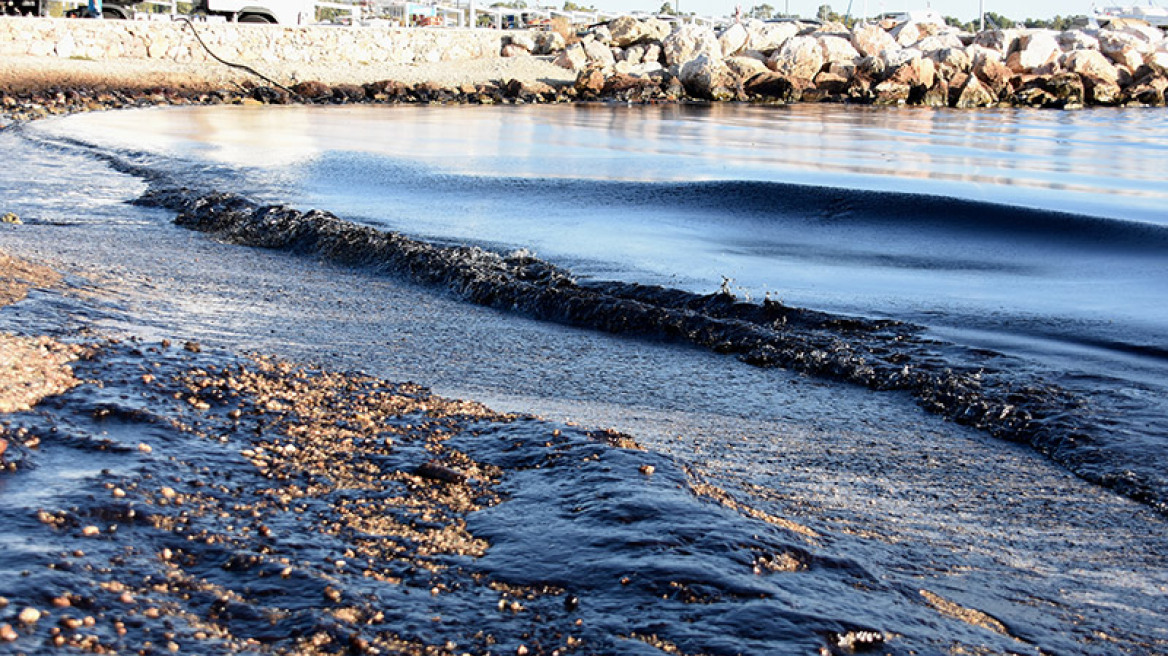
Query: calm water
(1038, 235)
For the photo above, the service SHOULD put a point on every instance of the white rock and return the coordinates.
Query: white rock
(1092, 63)
(707, 77)
(733, 39)
(690, 42)
(768, 37)
(871, 40)
(837, 49)
(800, 57)
(572, 58)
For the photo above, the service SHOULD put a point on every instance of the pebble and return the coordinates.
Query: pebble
(91, 531)
(7, 633)
(648, 470)
(144, 448)
(29, 616)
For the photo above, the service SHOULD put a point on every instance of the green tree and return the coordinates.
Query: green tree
(667, 9)
(761, 12)
(824, 13)
(572, 6)
(998, 21)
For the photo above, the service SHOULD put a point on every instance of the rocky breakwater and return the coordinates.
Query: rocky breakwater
(888, 63)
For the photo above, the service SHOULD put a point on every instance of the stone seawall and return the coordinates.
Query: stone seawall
(174, 41)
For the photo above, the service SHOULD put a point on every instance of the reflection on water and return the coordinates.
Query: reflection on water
(1105, 161)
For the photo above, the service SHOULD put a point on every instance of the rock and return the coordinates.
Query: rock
(871, 40)
(909, 33)
(1101, 92)
(942, 41)
(1147, 33)
(951, 61)
(629, 87)
(1004, 41)
(7, 633)
(916, 72)
(733, 39)
(837, 49)
(937, 95)
(590, 81)
(1123, 49)
(572, 58)
(769, 37)
(599, 54)
(995, 75)
(708, 78)
(1158, 60)
(799, 58)
(549, 42)
(1071, 40)
(1067, 89)
(602, 34)
(10, 218)
(688, 43)
(1150, 90)
(626, 31)
(745, 68)
(1091, 63)
(3, 448)
(29, 616)
(1035, 50)
(974, 94)
(523, 40)
(891, 92)
(512, 50)
(832, 82)
(312, 90)
(528, 90)
(774, 86)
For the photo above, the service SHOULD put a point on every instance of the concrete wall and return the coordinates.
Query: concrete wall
(103, 40)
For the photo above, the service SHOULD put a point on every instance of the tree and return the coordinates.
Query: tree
(824, 13)
(998, 21)
(667, 9)
(761, 12)
(572, 6)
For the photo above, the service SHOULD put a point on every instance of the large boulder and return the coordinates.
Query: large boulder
(1158, 59)
(626, 31)
(733, 39)
(547, 43)
(572, 58)
(774, 86)
(871, 40)
(1034, 52)
(837, 48)
(974, 94)
(1123, 49)
(944, 41)
(799, 58)
(1004, 41)
(745, 68)
(951, 61)
(1091, 63)
(1147, 33)
(769, 37)
(707, 77)
(1077, 40)
(993, 74)
(647, 53)
(690, 42)
(598, 54)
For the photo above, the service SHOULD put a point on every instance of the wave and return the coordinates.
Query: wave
(971, 387)
(754, 201)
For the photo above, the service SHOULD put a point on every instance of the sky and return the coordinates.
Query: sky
(966, 10)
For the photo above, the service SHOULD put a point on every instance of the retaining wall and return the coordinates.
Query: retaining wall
(104, 40)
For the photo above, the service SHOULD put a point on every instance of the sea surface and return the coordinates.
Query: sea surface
(1028, 246)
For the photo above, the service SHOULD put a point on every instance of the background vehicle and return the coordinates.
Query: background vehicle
(284, 12)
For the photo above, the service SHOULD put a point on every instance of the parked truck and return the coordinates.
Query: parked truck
(284, 12)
